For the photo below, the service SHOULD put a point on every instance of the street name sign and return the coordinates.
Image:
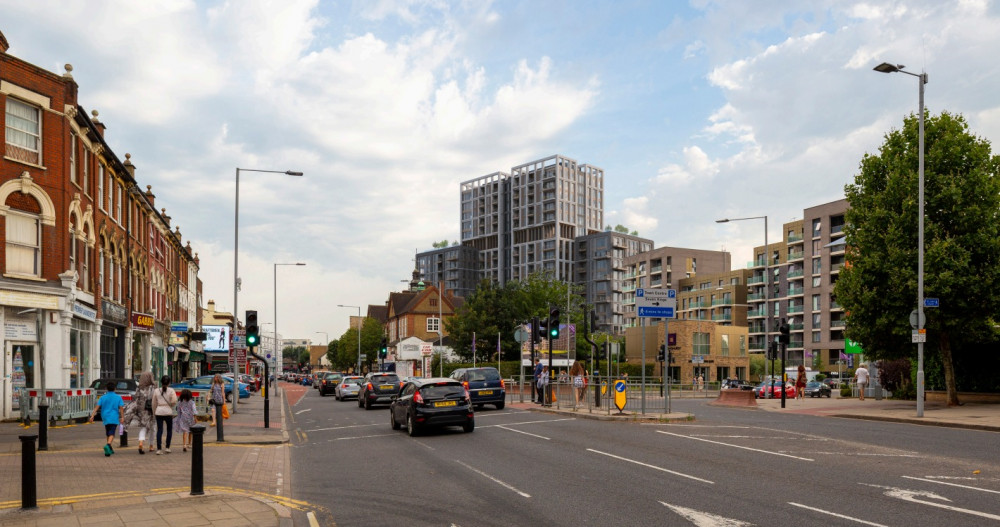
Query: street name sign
(932, 302)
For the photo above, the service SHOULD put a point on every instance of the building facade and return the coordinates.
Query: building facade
(600, 271)
(457, 267)
(698, 348)
(93, 279)
(662, 268)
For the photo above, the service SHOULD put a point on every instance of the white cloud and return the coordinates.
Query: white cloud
(697, 165)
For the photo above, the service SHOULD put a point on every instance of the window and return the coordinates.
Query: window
(817, 281)
(433, 324)
(816, 319)
(725, 345)
(743, 345)
(815, 305)
(72, 159)
(100, 271)
(23, 132)
(111, 193)
(100, 186)
(702, 344)
(817, 267)
(815, 336)
(817, 227)
(433, 302)
(118, 203)
(86, 171)
(23, 244)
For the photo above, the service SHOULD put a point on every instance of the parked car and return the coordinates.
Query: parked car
(249, 381)
(817, 389)
(348, 388)
(124, 387)
(378, 388)
(763, 390)
(736, 384)
(423, 403)
(328, 382)
(484, 384)
(204, 383)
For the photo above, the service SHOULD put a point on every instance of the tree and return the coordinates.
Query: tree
(878, 286)
(621, 228)
(441, 244)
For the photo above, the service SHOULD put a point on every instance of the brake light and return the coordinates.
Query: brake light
(465, 384)
(503, 385)
(465, 392)
(370, 388)
(417, 398)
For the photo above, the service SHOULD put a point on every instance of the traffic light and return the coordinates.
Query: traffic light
(554, 323)
(253, 330)
(383, 351)
(784, 330)
(772, 352)
(662, 355)
(540, 329)
(593, 321)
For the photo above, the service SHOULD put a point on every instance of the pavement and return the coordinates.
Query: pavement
(247, 477)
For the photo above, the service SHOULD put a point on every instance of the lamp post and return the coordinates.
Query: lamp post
(767, 308)
(885, 67)
(236, 265)
(360, 324)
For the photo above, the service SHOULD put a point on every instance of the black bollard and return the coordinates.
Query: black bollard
(28, 481)
(198, 460)
(43, 425)
(219, 436)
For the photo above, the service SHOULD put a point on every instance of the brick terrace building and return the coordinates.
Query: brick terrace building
(92, 275)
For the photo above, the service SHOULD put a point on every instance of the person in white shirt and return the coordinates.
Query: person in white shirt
(861, 376)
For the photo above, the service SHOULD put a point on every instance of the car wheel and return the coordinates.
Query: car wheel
(411, 427)
(359, 402)
(229, 397)
(500, 405)
(468, 427)
(392, 420)
(368, 404)
(322, 393)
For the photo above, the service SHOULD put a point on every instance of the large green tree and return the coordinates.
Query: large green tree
(343, 352)
(878, 287)
(493, 309)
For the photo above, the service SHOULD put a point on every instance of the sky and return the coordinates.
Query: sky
(696, 111)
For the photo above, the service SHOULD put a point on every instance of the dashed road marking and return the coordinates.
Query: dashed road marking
(495, 480)
(858, 520)
(953, 485)
(654, 467)
(736, 446)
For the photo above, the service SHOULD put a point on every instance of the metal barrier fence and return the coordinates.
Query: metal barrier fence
(64, 403)
(652, 401)
(200, 398)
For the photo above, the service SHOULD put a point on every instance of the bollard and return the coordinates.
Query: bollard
(123, 439)
(28, 487)
(219, 436)
(43, 425)
(198, 460)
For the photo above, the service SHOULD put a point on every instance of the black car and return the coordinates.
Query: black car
(424, 403)
(378, 388)
(817, 389)
(484, 384)
(328, 383)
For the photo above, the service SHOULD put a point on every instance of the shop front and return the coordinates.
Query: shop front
(81, 338)
(112, 342)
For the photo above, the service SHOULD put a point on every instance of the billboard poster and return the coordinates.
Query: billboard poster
(217, 339)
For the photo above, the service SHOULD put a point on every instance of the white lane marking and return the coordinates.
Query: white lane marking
(302, 411)
(685, 425)
(529, 422)
(911, 496)
(521, 432)
(343, 427)
(786, 438)
(495, 480)
(736, 446)
(953, 484)
(652, 467)
(363, 437)
(864, 454)
(837, 515)
(704, 519)
(312, 519)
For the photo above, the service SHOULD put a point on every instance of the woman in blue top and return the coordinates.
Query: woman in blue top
(110, 405)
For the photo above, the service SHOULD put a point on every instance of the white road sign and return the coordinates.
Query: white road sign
(656, 303)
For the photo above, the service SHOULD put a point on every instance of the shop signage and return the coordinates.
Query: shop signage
(22, 299)
(84, 312)
(113, 312)
(178, 326)
(142, 322)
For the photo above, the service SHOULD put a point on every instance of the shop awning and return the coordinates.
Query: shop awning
(196, 356)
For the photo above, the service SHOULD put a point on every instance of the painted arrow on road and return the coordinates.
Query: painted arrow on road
(912, 495)
(705, 519)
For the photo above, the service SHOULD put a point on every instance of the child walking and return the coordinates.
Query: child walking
(110, 405)
(185, 417)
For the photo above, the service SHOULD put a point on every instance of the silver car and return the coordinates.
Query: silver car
(348, 388)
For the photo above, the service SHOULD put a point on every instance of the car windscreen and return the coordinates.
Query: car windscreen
(443, 391)
(332, 376)
(813, 384)
(384, 379)
(484, 375)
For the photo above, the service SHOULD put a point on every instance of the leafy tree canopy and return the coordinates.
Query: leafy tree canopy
(878, 287)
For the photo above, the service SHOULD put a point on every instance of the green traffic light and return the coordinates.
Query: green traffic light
(554, 332)
(252, 340)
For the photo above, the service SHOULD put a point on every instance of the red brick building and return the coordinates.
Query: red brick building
(92, 276)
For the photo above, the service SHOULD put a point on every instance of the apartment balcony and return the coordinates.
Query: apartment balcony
(756, 313)
(795, 344)
(626, 288)
(834, 306)
(795, 291)
(628, 301)
(656, 269)
(794, 309)
(797, 255)
(793, 238)
(755, 328)
(696, 304)
(796, 327)
(756, 297)
(755, 280)
(835, 268)
(757, 348)
(795, 274)
(758, 263)
(838, 323)
(722, 302)
(723, 317)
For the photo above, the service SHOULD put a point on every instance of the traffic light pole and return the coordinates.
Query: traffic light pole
(548, 387)
(267, 389)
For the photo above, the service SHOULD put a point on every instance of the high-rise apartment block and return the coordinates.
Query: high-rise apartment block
(601, 270)
(662, 268)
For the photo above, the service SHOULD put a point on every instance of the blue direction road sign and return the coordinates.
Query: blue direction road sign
(932, 302)
(656, 312)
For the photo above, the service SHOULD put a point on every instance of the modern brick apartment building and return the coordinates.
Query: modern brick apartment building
(92, 276)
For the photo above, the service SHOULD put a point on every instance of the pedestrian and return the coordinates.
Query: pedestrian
(164, 401)
(701, 382)
(110, 405)
(543, 383)
(861, 377)
(537, 375)
(186, 411)
(577, 373)
(217, 398)
(800, 383)
(139, 412)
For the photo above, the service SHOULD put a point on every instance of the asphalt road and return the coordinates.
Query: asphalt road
(728, 468)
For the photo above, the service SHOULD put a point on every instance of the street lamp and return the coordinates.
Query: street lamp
(358, 371)
(236, 261)
(767, 307)
(885, 67)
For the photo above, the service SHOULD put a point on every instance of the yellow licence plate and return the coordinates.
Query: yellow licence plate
(387, 387)
(485, 392)
(445, 403)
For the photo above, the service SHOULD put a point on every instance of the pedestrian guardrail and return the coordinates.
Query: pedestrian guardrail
(65, 404)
